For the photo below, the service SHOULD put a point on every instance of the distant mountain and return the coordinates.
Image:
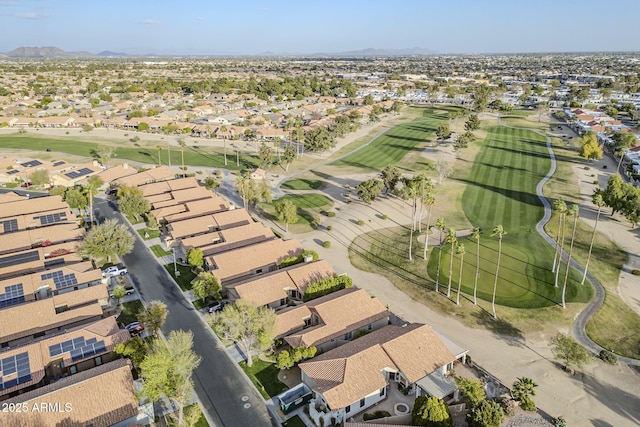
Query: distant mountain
(110, 53)
(44, 52)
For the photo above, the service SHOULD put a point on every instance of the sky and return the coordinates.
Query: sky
(249, 27)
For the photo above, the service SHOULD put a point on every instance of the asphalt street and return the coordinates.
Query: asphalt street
(226, 394)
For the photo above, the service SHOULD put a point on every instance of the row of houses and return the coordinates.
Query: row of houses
(57, 329)
(362, 354)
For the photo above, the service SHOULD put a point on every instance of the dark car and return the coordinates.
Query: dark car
(216, 306)
(135, 327)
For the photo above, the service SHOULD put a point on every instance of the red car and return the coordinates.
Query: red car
(26, 185)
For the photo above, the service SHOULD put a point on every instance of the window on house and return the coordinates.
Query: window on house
(307, 322)
(348, 335)
(362, 402)
(259, 271)
(61, 309)
(347, 409)
(382, 390)
(73, 369)
(369, 327)
(98, 360)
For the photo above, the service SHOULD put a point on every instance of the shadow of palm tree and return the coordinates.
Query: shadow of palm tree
(500, 328)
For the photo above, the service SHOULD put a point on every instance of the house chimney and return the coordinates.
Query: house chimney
(125, 166)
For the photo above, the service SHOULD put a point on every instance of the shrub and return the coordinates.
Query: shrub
(376, 415)
(331, 214)
(385, 217)
(527, 404)
(289, 261)
(508, 406)
(595, 181)
(326, 244)
(560, 422)
(593, 175)
(609, 357)
(329, 228)
(635, 272)
(360, 222)
(587, 168)
(326, 286)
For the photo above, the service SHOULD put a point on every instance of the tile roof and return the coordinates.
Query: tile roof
(177, 197)
(9, 267)
(31, 220)
(59, 233)
(101, 397)
(349, 372)
(339, 313)
(230, 238)
(208, 223)
(191, 209)
(159, 173)
(168, 186)
(10, 207)
(242, 261)
(115, 172)
(37, 316)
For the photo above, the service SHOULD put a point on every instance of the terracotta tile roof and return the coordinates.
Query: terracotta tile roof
(160, 173)
(339, 313)
(191, 209)
(291, 320)
(243, 261)
(230, 238)
(10, 268)
(168, 186)
(101, 396)
(106, 330)
(309, 272)
(180, 196)
(59, 233)
(28, 221)
(10, 207)
(37, 316)
(84, 272)
(208, 223)
(115, 172)
(415, 350)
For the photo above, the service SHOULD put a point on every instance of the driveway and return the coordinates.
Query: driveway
(227, 396)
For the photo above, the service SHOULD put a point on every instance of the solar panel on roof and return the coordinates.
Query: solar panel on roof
(31, 164)
(78, 348)
(13, 294)
(10, 225)
(52, 218)
(18, 365)
(12, 171)
(54, 261)
(78, 173)
(19, 259)
(61, 280)
(60, 163)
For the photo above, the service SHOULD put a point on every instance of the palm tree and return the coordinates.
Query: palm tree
(159, 149)
(451, 238)
(460, 251)
(182, 144)
(599, 202)
(476, 235)
(498, 231)
(429, 200)
(411, 193)
(92, 186)
(440, 225)
(523, 388)
(561, 207)
(574, 211)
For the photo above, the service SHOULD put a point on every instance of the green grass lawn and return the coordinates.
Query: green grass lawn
(185, 277)
(202, 421)
(294, 422)
(303, 184)
(264, 376)
(309, 210)
(129, 312)
(159, 251)
(133, 220)
(144, 154)
(152, 233)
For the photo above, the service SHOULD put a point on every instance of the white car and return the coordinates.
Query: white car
(114, 270)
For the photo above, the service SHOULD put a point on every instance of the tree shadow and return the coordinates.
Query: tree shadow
(617, 399)
(520, 196)
(500, 328)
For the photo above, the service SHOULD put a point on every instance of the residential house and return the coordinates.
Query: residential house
(23, 222)
(38, 259)
(251, 260)
(42, 236)
(116, 172)
(158, 173)
(229, 238)
(191, 227)
(332, 320)
(76, 175)
(179, 197)
(100, 397)
(277, 288)
(162, 187)
(351, 378)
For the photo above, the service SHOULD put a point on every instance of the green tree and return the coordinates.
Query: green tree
(614, 194)
(103, 154)
(133, 203)
(58, 191)
(477, 232)
(168, 370)
(75, 199)
(318, 139)
(443, 131)
(441, 226)
(91, 189)
(143, 126)
(289, 155)
(107, 240)
(246, 188)
(622, 141)
(460, 251)
(429, 200)
(250, 327)
(370, 189)
(472, 123)
(195, 257)
(481, 97)
(265, 154)
(464, 140)
(390, 176)
(135, 349)
(430, 411)
(567, 350)
(472, 389)
(561, 207)
(487, 414)
(573, 212)
(523, 388)
(599, 202)
(368, 100)
(451, 239)
(589, 146)
(210, 183)
(284, 360)
(206, 285)
(153, 316)
(498, 231)
(119, 292)
(287, 212)
(263, 192)
(39, 177)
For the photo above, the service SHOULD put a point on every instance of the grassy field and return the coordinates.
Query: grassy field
(194, 155)
(302, 184)
(264, 376)
(159, 251)
(309, 210)
(398, 142)
(185, 277)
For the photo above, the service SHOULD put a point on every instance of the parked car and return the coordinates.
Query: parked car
(216, 306)
(114, 270)
(26, 185)
(135, 327)
(111, 192)
(128, 290)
